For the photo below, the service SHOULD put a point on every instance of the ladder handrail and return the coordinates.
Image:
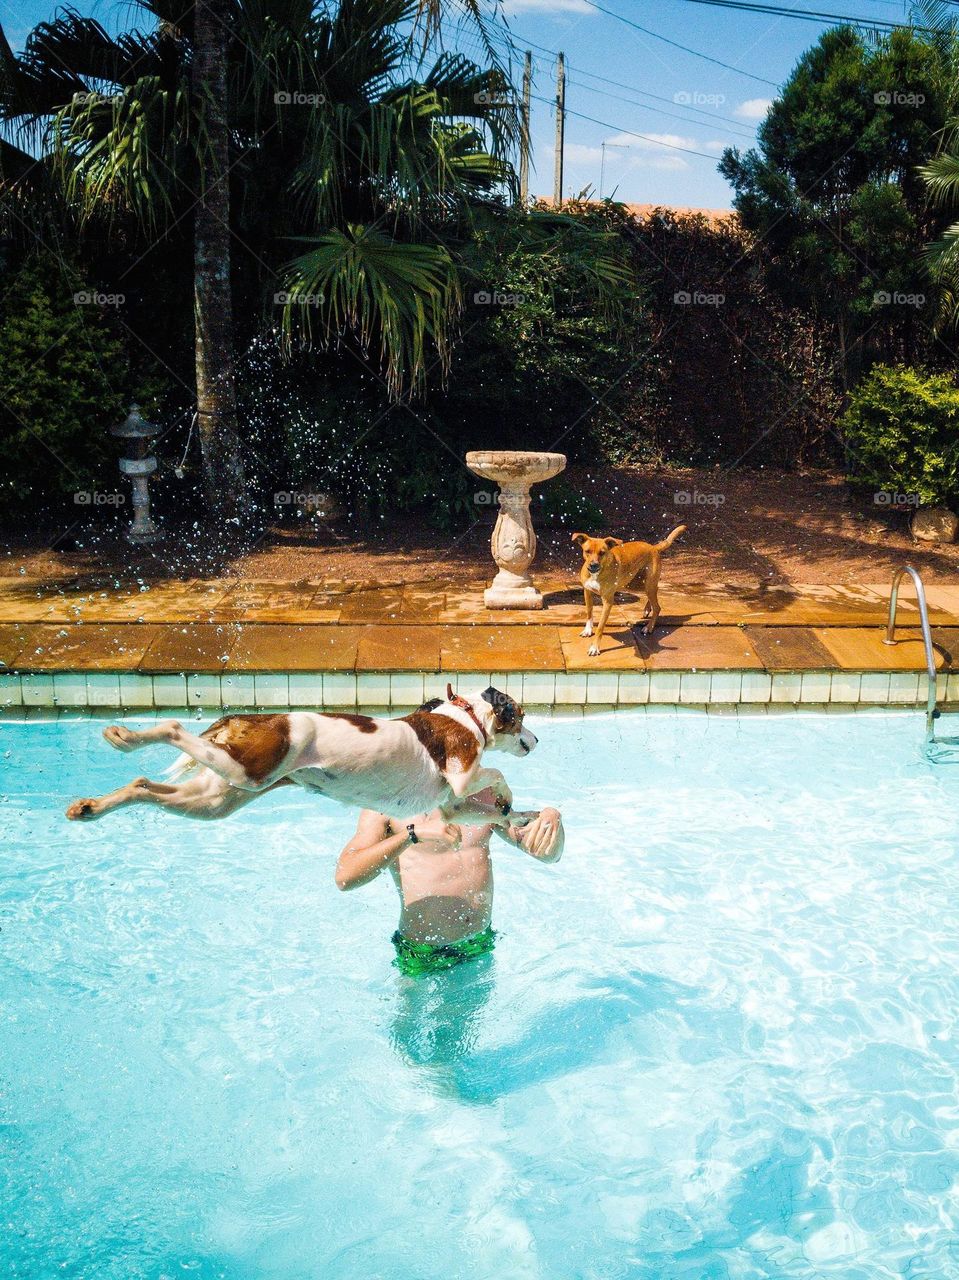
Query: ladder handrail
(890, 637)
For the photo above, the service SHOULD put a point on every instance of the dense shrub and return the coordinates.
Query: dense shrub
(902, 433)
(721, 371)
(61, 374)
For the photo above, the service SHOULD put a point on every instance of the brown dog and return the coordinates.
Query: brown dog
(611, 565)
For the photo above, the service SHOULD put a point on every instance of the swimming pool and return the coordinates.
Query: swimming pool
(716, 1042)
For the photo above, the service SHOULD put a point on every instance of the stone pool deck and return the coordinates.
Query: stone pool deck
(228, 642)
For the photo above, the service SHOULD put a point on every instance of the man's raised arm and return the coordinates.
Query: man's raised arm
(374, 846)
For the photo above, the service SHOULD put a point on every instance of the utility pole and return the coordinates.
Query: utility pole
(560, 125)
(524, 125)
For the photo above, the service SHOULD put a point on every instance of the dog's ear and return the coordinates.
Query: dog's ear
(503, 705)
(613, 542)
(580, 538)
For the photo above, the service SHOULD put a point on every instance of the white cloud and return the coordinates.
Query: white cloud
(548, 6)
(664, 139)
(715, 144)
(640, 155)
(576, 153)
(754, 108)
(668, 160)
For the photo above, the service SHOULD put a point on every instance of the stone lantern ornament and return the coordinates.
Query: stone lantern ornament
(514, 543)
(138, 463)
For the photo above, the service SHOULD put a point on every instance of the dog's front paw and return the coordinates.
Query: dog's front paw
(593, 651)
(587, 630)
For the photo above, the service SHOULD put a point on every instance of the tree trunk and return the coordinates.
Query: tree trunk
(223, 476)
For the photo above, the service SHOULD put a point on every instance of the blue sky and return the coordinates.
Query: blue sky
(730, 103)
(692, 104)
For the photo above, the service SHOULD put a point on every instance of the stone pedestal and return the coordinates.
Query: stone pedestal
(139, 464)
(514, 541)
(143, 530)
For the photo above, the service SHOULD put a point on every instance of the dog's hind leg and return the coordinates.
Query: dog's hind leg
(123, 739)
(651, 613)
(139, 791)
(206, 796)
(248, 752)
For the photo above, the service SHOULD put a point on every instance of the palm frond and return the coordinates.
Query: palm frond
(360, 282)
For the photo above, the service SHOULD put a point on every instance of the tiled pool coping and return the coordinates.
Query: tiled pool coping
(399, 690)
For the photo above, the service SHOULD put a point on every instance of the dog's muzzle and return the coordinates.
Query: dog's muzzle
(593, 568)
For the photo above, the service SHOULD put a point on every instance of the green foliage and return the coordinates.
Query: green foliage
(64, 380)
(553, 310)
(359, 279)
(902, 433)
(343, 136)
(833, 187)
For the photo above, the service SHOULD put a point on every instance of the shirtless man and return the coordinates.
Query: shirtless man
(444, 876)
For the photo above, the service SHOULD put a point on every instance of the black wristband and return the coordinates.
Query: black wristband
(414, 838)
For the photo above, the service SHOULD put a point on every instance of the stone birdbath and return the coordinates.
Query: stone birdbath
(513, 542)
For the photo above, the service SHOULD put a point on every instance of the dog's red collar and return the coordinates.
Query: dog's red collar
(460, 702)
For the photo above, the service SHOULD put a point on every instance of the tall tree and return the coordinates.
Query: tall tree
(336, 142)
(212, 283)
(832, 187)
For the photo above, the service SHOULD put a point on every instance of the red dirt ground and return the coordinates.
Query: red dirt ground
(745, 527)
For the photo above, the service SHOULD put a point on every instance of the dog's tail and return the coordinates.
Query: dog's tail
(181, 765)
(184, 763)
(668, 541)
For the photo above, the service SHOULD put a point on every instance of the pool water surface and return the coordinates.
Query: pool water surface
(717, 1041)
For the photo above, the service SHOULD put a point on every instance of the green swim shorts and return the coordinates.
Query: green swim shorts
(416, 958)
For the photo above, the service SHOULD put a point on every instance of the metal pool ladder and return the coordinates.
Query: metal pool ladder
(890, 638)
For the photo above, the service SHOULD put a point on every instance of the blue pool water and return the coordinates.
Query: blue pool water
(716, 1042)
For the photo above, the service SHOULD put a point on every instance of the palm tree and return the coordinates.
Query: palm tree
(941, 174)
(273, 122)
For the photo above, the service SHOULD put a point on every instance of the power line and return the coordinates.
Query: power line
(710, 116)
(645, 106)
(808, 15)
(676, 45)
(630, 133)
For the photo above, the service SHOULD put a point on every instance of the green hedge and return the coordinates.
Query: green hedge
(902, 433)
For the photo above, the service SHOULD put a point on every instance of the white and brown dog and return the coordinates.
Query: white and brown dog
(427, 760)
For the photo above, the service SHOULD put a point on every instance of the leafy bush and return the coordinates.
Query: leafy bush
(62, 384)
(902, 433)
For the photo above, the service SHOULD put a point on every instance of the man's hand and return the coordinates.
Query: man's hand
(541, 837)
(445, 833)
